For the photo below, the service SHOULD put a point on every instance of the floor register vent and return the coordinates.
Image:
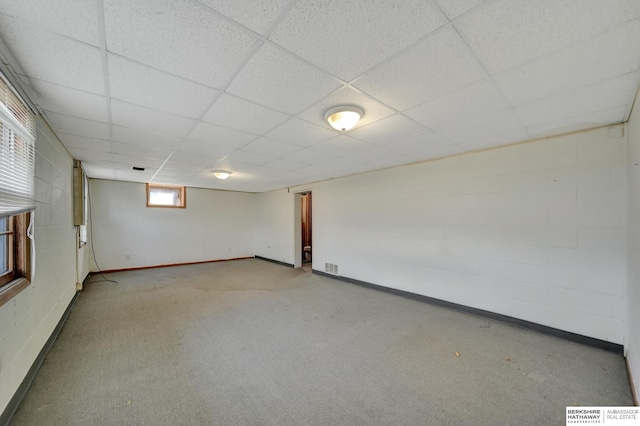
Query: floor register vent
(330, 268)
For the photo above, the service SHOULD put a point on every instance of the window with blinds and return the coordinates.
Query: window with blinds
(17, 153)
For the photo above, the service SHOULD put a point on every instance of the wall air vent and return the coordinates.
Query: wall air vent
(330, 268)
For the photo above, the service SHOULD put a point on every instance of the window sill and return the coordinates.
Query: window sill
(10, 290)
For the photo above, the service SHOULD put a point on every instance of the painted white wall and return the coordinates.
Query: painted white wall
(215, 225)
(27, 320)
(535, 231)
(274, 226)
(633, 348)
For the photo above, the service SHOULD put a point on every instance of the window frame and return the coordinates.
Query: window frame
(19, 254)
(182, 195)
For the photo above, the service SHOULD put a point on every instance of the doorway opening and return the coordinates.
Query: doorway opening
(305, 210)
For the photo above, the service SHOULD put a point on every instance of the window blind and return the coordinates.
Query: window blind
(17, 153)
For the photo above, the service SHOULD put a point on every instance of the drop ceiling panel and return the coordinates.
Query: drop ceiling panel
(139, 117)
(329, 33)
(196, 85)
(78, 126)
(301, 133)
(612, 53)
(388, 130)
(53, 58)
(341, 145)
(204, 148)
(468, 103)
(135, 83)
(439, 65)
(258, 15)
(504, 33)
(180, 37)
(487, 131)
(580, 122)
(604, 95)
(218, 135)
(270, 147)
(77, 19)
(455, 8)
(63, 100)
(139, 151)
(278, 80)
(140, 137)
(240, 114)
(76, 141)
(373, 109)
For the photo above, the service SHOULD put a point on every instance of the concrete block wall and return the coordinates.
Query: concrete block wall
(27, 320)
(535, 231)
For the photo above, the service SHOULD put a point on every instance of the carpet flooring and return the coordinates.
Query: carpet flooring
(250, 342)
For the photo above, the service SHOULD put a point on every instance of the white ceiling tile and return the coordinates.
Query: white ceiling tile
(134, 175)
(78, 126)
(218, 135)
(475, 100)
(204, 148)
(138, 117)
(300, 133)
(87, 154)
(347, 37)
(235, 113)
(310, 157)
(140, 137)
(135, 161)
(281, 81)
(84, 142)
(455, 8)
(67, 101)
(342, 145)
(139, 151)
(423, 147)
(138, 84)
(281, 164)
(504, 33)
(373, 110)
(581, 122)
(388, 130)
(233, 165)
(75, 19)
(247, 157)
(604, 95)
(610, 54)
(190, 160)
(495, 129)
(259, 15)
(439, 65)
(99, 170)
(180, 37)
(53, 58)
(180, 168)
(271, 147)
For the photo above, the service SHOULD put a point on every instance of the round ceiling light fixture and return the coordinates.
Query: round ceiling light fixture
(221, 174)
(344, 117)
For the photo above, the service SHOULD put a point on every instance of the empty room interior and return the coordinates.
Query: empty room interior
(318, 212)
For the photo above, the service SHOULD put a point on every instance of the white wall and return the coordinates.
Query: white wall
(27, 320)
(215, 225)
(274, 228)
(633, 348)
(535, 231)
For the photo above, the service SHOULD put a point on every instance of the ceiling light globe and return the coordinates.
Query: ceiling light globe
(344, 118)
(221, 174)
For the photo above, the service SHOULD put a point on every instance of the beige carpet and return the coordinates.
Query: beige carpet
(254, 343)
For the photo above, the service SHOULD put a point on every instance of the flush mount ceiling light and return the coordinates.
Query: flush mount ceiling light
(344, 117)
(221, 174)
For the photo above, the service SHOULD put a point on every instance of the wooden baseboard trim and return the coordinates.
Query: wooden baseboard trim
(167, 265)
(275, 261)
(20, 393)
(567, 335)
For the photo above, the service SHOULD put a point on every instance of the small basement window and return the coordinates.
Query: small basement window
(166, 196)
